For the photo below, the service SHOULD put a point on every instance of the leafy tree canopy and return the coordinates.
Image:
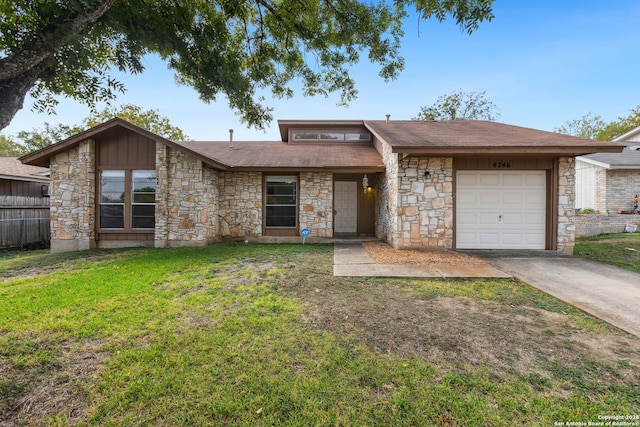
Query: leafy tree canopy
(150, 120)
(592, 126)
(8, 147)
(620, 126)
(219, 47)
(460, 105)
(35, 139)
(586, 127)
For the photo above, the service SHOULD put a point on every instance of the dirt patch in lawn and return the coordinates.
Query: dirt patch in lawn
(58, 392)
(382, 253)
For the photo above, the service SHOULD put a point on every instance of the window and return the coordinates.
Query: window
(305, 136)
(357, 136)
(143, 200)
(281, 201)
(112, 193)
(331, 136)
(127, 199)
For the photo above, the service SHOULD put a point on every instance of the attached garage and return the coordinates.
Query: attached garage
(501, 209)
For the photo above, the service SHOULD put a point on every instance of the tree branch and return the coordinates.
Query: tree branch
(54, 35)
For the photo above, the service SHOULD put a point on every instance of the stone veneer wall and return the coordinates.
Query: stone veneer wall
(387, 191)
(240, 204)
(566, 209)
(316, 203)
(621, 186)
(186, 200)
(425, 208)
(73, 188)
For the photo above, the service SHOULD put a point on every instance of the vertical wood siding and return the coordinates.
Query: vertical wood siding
(24, 221)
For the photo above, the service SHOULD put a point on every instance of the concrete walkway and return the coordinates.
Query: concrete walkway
(351, 260)
(607, 292)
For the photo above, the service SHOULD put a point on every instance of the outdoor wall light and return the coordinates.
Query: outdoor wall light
(365, 182)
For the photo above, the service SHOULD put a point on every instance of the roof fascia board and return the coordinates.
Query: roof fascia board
(25, 178)
(626, 135)
(573, 151)
(594, 162)
(341, 169)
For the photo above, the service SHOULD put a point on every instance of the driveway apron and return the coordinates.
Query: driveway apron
(607, 292)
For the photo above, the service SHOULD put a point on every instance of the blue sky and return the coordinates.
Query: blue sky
(541, 63)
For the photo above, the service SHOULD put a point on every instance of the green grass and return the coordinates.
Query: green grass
(221, 336)
(622, 250)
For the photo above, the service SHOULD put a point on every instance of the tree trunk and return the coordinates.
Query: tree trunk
(13, 91)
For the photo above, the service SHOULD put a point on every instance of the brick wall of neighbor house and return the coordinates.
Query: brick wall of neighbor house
(73, 186)
(621, 186)
(387, 191)
(601, 190)
(240, 212)
(186, 200)
(593, 224)
(316, 204)
(425, 204)
(566, 209)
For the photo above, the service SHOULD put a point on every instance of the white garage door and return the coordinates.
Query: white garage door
(500, 209)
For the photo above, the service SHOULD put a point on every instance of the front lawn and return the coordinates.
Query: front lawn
(262, 335)
(622, 250)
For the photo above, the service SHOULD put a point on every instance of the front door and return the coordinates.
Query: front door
(345, 207)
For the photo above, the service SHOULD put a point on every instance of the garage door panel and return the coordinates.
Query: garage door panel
(501, 209)
(485, 198)
(512, 219)
(534, 219)
(536, 179)
(487, 239)
(487, 219)
(511, 198)
(488, 179)
(512, 179)
(467, 219)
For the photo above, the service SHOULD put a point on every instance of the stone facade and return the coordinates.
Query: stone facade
(316, 203)
(240, 201)
(425, 203)
(413, 210)
(186, 200)
(73, 202)
(387, 190)
(566, 209)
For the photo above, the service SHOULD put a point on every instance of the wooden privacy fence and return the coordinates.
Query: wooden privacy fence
(24, 221)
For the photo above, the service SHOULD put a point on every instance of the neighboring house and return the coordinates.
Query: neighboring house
(608, 182)
(18, 179)
(414, 184)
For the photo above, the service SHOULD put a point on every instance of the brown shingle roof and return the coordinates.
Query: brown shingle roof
(12, 168)
(280, 155)
(478, 136)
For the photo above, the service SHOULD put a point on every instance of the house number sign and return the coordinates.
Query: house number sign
(304, 233)
(501, 165)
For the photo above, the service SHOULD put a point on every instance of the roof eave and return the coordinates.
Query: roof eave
(40, 179)
(338, 169)
(466, 151)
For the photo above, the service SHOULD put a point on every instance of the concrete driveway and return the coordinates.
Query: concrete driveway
(609, 293)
